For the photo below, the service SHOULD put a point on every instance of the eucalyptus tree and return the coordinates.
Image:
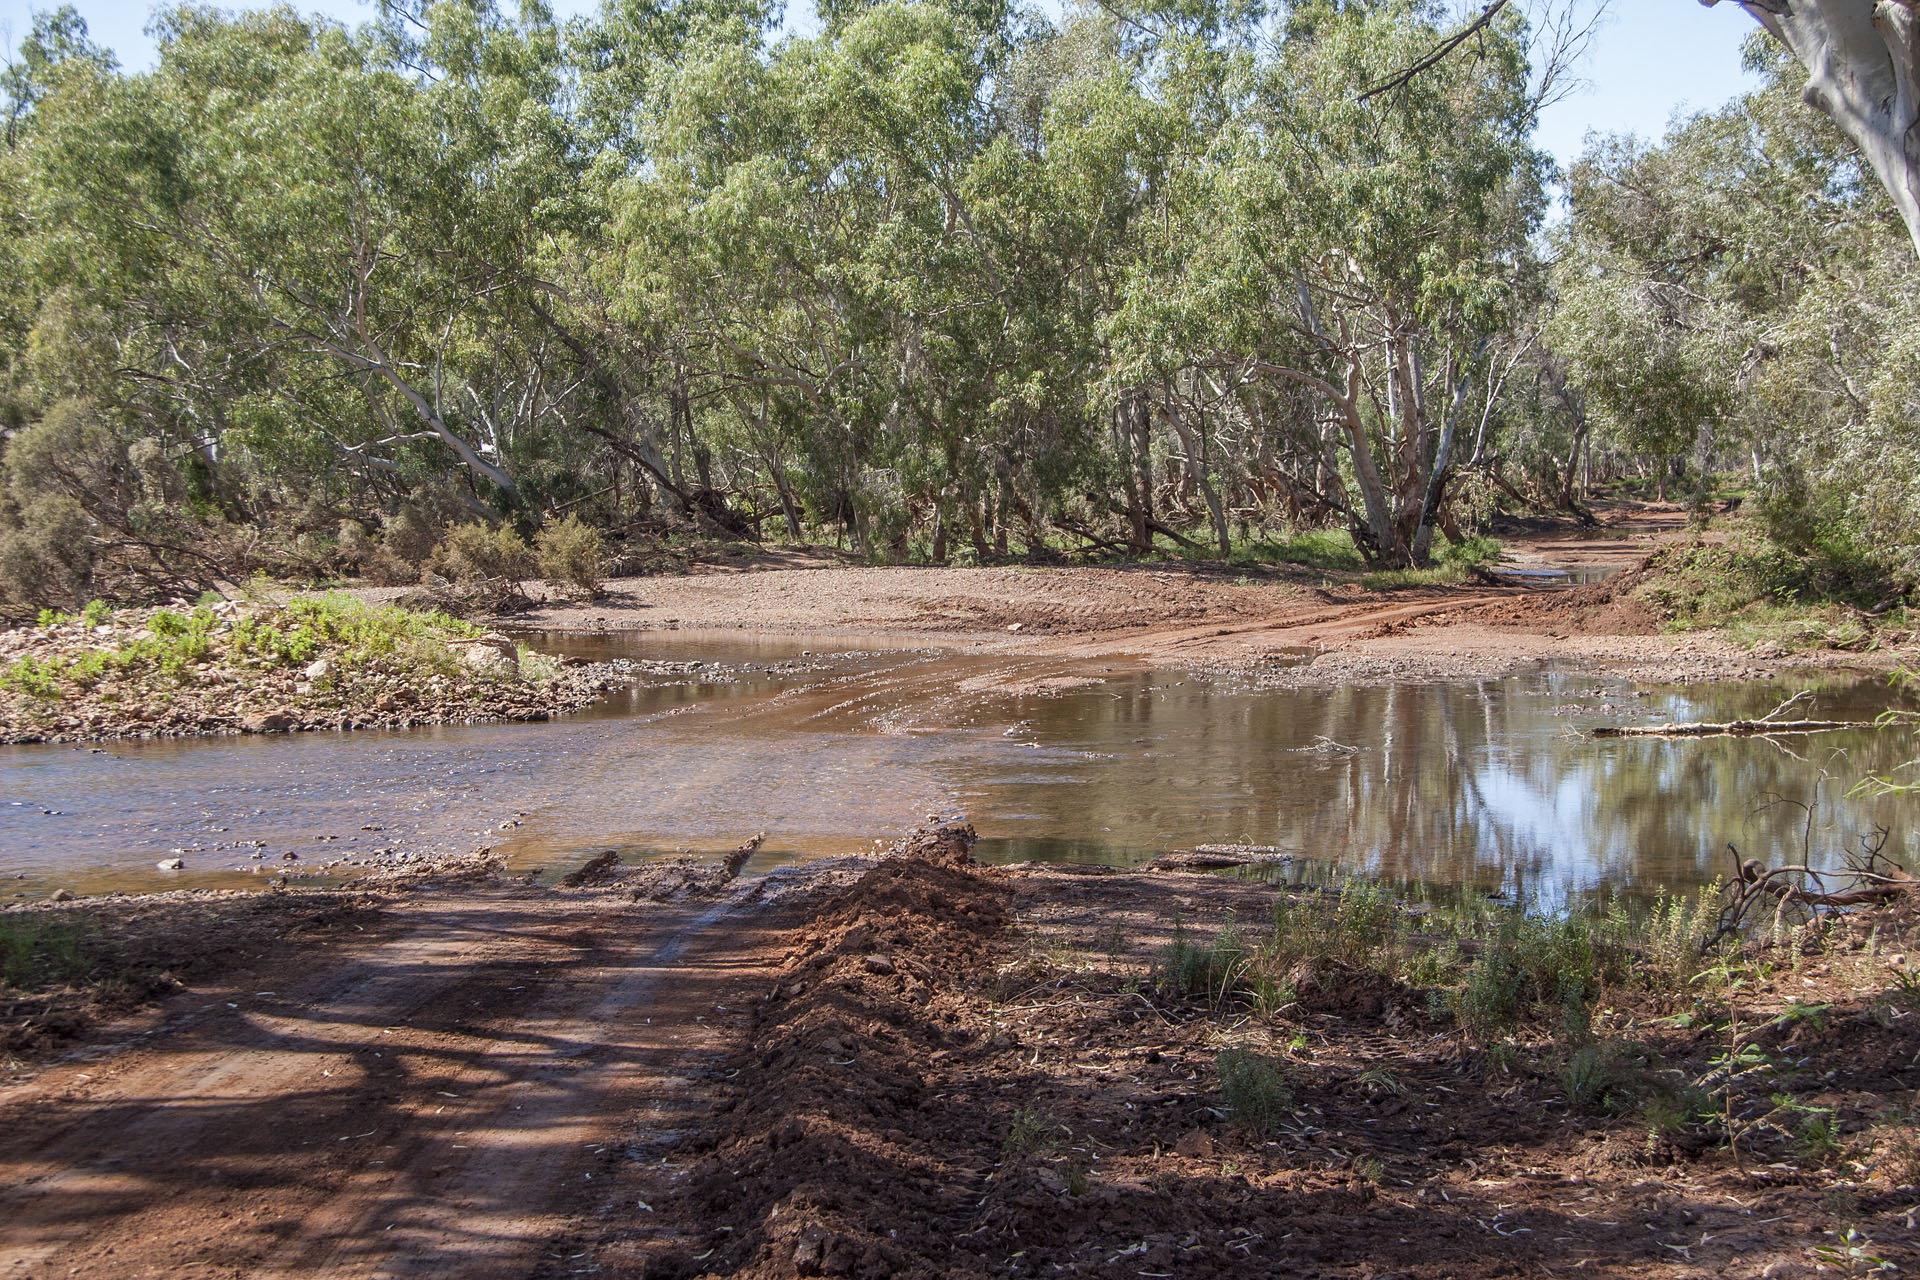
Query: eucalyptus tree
(316, 233)
(1365, 250)
(1746, 285)
(1862, 63)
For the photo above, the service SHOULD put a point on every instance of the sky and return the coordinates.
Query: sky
(1650, 59)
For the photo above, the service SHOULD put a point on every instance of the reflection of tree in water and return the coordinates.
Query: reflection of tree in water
(1479, 784)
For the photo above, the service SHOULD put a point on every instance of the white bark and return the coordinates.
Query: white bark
(1862, 58)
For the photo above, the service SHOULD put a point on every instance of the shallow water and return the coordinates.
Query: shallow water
(1492, 783)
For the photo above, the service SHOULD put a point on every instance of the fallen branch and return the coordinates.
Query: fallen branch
(1727, 728)
(1217, 857)
(1765, 725)
(1754, 883)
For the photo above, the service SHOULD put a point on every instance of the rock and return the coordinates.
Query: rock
(878, 964)
(60, 895)
(1194, 1145)
(492, 657)
(269, 722)
(318, 670)
(1014, 627)
(172, 864)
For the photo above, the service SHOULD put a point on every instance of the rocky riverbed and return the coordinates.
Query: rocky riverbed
(236, 667)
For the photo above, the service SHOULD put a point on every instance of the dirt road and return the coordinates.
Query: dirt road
(435, 1101)
(1199, 614)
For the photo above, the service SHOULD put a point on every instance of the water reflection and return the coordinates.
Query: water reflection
(1495, 784)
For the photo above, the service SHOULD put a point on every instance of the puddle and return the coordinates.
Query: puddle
(1493, 784)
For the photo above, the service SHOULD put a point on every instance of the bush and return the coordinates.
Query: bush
(570, 551)
(474, 553)
(355, 547)
(48, 558)
(1255, 1089)
(408, 537)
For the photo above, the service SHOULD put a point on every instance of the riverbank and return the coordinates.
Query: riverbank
(312, 662)
(646, 1071)
(1298, 626)
(354, 659)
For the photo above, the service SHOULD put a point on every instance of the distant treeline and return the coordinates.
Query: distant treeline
(941, 281)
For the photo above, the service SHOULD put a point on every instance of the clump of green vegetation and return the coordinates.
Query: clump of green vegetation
(1757, 589)
(1255, 1088)
(36, 952)
(1032, 1130)
(1492, 967)
(570, 551)
(1212, 970)
(474, 553)
(173, 646)
(1332, 551)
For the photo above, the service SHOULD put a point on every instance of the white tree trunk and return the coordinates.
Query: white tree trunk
(1862, 57)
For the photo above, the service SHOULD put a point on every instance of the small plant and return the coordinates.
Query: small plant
(1815, 1138)
(1380, 1080)
(1212, 971)
(35, 952)
(1599, 1078)
(1255, 1089)
(1030, 1131)
(1370, 1170)
(1853, 1254)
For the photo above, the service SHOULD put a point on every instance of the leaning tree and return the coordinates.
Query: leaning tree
(1862, 59)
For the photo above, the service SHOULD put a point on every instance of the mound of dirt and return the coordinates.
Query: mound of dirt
(835, 1157)
(1599, 608)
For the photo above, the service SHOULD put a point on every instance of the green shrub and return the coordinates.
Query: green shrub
(571, 551)
(1255, 1089)
(475, 553)
(1213, 970)
(47, 558)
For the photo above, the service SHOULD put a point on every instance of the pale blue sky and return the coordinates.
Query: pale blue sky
(1652, 58)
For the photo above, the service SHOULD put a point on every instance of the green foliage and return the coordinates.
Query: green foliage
(939, 281)
(1256, 1090)
(475, 553)
(37, 951)
(570, 551)
(172, 646)
(1211, 971)
(1757, 589)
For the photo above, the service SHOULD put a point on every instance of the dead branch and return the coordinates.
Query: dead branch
(1769, 723)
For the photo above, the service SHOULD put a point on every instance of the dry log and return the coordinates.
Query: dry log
(1769, 723)
(1218, 857)
(1726, 728)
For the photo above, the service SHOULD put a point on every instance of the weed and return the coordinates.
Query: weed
(1601, 1078)
(1255, 1088)
(1815, 1139)
(1211, 971)
(1370, 1170)
(1853, 1254)
(1031, 1131)
(36, 953)
(1380, 1080)
(1076, 1179)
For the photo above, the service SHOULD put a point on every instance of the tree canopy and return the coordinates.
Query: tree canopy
(943, 279)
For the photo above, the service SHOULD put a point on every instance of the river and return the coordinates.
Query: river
(1495, 784)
